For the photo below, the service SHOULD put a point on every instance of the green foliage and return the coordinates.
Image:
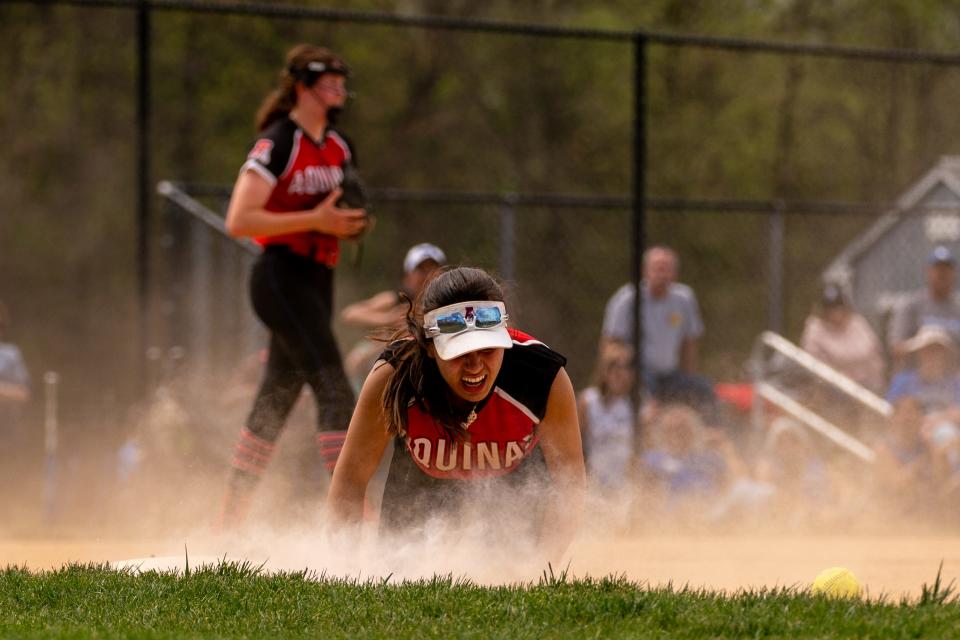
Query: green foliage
(240, 600)
(468, 111)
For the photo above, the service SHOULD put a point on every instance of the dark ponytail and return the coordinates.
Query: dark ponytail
(416, 380)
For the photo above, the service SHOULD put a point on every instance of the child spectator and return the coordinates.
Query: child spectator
(802, 489)
(905, 464)
(688, 465)
(606, 419)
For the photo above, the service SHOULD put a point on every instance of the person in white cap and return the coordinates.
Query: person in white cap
(937, 304)
(483, 418)
(387, 310)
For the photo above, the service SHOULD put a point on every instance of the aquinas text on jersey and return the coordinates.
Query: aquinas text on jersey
(446, 458)
(313, 180)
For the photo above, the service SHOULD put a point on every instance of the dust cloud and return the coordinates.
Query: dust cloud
(158, 502)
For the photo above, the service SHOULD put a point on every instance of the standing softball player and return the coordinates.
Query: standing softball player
(485, 421)
(286, 198)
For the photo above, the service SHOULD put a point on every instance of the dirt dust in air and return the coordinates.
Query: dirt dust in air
(160, 502)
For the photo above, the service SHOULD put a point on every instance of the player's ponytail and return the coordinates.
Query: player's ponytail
(283, 99)
(416, 380)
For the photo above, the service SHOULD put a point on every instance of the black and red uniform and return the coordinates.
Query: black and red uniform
(432, 473)
(291, 287)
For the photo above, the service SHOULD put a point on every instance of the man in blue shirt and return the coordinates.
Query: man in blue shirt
(672, 328)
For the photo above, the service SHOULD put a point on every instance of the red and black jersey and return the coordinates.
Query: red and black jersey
(303, 172)
(431, 468)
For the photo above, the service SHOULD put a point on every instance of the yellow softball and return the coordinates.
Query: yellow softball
(837, 582)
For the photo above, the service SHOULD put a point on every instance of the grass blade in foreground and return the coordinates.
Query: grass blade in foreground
(237, 600)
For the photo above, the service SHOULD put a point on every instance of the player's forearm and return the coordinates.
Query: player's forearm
(345, 503)
(255, 222)
(371, 319)
(562, 519)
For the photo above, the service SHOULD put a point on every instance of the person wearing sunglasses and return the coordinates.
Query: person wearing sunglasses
(289, 198)
(484, 422)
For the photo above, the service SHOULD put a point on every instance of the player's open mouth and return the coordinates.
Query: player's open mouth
(473, 383)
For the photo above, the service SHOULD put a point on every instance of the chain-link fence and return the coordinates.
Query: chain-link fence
(753, 155)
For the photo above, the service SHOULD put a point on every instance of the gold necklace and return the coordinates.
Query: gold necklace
(471, 417)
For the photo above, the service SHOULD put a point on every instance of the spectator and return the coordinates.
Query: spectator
(672, 329)
(14, 379)
(905, 461)
(937, 304)
(14, 395)
(803, 490)
(388, 309)
(842, 338)
(688, 465)
(606, 419)
(932, 380)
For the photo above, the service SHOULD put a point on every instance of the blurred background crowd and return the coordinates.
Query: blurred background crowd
(801, 189)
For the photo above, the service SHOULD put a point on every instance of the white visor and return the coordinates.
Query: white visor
(471, 337)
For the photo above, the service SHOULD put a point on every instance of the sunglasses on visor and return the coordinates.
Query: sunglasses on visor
(461, 317)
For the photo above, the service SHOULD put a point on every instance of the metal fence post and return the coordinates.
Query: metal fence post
(143, 187)
(776, 230)
(508, 235)
(51, 436)
(638, 178)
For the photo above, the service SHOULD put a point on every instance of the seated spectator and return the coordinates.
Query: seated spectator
(387, 310)
(791, 486)
(842, 338)
(14, 379)
(790, 462)
(932, 378)
(672, 329)
(937, 304)
(945, 444)
(607, 419)
(803, 491)
(905, 462)
(14, 396)
(687, 464)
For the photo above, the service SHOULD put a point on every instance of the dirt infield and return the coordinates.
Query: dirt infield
(886, 565)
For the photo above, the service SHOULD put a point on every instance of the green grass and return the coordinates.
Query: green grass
(238, 600)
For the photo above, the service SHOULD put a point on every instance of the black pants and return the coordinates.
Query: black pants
(293, 296)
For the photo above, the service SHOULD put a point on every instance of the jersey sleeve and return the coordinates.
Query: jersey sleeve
(270, 154)
(528, 372)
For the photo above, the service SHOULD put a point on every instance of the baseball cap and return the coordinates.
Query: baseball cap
(941, 255)
(422, 252)
(463, 327)
(927, 336)
(832, 296)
